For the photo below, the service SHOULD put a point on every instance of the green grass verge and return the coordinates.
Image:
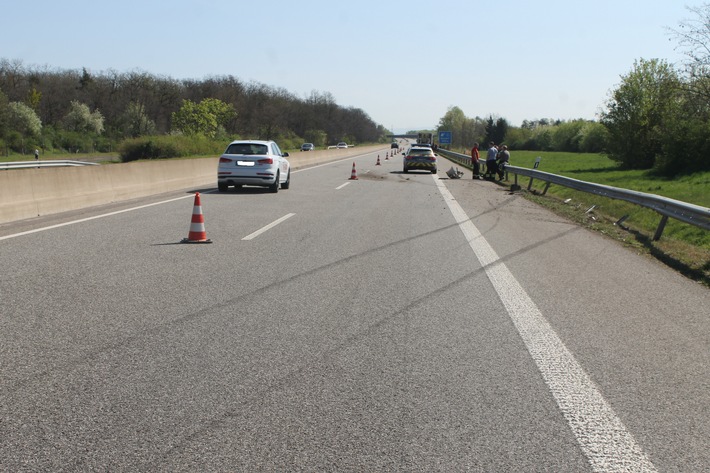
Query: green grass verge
(683, 247)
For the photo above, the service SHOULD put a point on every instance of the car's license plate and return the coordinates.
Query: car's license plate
(245, 163)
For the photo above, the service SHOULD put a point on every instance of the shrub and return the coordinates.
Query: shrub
(593, 138)
(164, 147)
(318, 137)
(685, 149)
(74, 142)
(289, 140)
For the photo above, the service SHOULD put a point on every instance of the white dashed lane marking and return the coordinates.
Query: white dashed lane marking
(268, 227)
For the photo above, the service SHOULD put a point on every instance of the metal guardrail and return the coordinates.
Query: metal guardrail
(44, 164)
(667, 208)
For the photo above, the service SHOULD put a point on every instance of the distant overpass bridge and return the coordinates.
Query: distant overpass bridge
(403, 136)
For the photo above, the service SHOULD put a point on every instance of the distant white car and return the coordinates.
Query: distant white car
(253, 163)
(342, 144)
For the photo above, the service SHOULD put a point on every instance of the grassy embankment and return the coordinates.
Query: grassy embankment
(683, 247)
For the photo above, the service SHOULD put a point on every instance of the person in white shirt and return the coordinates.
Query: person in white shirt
(491, 166)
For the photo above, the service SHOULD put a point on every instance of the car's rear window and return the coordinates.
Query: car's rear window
(420, 152)
(246, 148)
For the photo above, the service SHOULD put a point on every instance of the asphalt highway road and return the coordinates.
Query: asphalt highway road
(397, 322)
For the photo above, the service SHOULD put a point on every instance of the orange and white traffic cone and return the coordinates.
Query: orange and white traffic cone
(197, 232)
(378, 161)
(353, 174)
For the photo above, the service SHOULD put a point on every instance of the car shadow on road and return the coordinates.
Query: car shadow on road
(246, 190)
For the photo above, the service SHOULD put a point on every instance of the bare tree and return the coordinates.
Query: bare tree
(693, 37)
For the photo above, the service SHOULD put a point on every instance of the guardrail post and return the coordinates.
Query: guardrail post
(515, 186)
(530, 183)
(547, 186)
(661, 227)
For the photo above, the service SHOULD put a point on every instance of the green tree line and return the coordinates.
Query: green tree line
(657, 118)
(585, 136)
(83, 111)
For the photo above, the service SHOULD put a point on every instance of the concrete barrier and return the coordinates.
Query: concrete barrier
(27, 193)
(301, 159)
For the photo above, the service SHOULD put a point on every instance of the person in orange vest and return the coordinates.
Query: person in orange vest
(475, 156)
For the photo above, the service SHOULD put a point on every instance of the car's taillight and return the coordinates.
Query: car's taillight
(225, 160)
(432, 158)
(408, 157)
(266, 161)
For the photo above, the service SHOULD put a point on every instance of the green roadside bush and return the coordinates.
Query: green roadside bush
(168, 146)
(289, 141)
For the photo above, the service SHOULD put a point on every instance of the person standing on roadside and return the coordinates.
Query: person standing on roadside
(475, 164)
(503, 160)
(491, 167)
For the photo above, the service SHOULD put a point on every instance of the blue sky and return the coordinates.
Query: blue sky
(403, 62)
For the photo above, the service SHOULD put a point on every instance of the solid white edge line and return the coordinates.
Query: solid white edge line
(607, 444)
(59, 225)
(341, 186)
(268, 227)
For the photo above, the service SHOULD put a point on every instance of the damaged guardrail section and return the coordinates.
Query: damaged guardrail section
(667, 208)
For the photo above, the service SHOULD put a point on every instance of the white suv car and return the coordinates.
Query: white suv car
(253, 163)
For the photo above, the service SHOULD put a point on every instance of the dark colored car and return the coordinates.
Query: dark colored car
(419, 158)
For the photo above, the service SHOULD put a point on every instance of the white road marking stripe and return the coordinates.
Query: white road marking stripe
(268, 227)
(37, 230)
(330, 163)
(609, 447)
(341, 186)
